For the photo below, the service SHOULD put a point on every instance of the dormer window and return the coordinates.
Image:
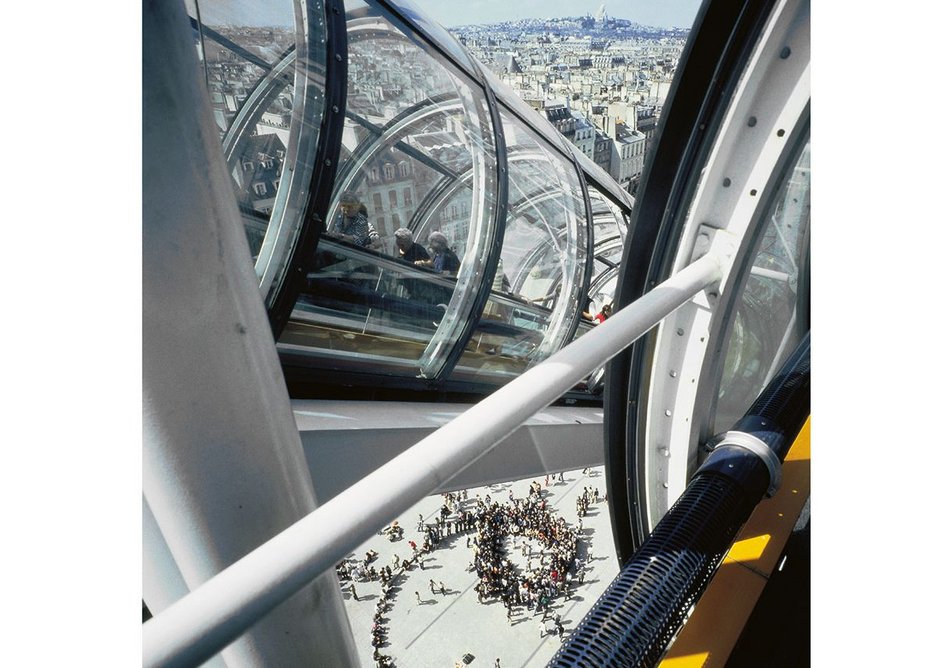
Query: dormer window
(260, 189)
(248, 166)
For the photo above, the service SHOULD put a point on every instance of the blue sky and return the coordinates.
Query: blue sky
(664, 13)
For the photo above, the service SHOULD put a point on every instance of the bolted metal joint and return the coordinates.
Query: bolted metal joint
(756, 446)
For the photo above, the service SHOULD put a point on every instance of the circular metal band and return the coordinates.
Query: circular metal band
(759, 448)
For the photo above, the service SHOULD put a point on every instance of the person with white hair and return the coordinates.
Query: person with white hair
(408, 249)
(444, 260)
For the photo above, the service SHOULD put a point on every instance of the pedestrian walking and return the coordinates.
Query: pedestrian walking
(354, 593)
(432, 586)
(442, 589)
(417, 594)
(498, 663)
(542, 628)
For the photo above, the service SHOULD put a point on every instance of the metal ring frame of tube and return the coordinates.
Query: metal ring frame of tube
(670, 217)
(501, 223)
(758, 447)
(225, 606)
(634, 620)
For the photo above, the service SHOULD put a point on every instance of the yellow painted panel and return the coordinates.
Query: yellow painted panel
(688, 661)
(749, 549)
(801, 448)
(721, 614)
(776, 517)
(719, 617)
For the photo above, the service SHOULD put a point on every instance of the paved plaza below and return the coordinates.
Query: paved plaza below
(441, 629)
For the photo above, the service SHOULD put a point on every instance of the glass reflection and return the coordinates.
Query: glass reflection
(534, 300)
(266, 79)
(768, 324)
(411, 219)
(609, 232)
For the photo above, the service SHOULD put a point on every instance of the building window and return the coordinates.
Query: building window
(407, 197)
(392, 196)
(260, 189)
(376, 198)
(403, 168)
(389, 172)
(248, 166)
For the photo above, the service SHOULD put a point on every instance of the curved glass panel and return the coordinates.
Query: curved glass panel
(440, 35)
(766, 321)
(265, 71)
(609, 232)
(541, 269)
(411, 219)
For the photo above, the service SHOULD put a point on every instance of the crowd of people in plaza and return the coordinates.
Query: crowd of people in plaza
(556, 544)
(548, 546)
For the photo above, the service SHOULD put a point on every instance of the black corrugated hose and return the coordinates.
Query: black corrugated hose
(636, 617)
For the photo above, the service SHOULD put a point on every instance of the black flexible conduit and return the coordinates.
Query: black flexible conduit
(635, 618)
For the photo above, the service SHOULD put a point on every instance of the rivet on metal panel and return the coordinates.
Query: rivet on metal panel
(785, 53)
(680, 332)
(726, 182)
(751, 122)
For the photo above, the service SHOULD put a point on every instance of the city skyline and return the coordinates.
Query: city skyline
(661, 13)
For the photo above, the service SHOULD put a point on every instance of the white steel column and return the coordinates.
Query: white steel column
(223, 468)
